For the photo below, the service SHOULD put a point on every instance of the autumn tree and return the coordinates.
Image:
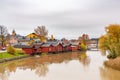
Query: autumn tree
(52, 38)
(111, 40)
(42, 32)
(83, 39)
(3, 34)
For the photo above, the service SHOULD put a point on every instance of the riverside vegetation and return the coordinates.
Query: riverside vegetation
(11, 53)
(110, 42)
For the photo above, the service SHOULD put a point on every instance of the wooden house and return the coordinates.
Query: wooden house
(28, 49)
(74, 45)
(32, 36)
(66, 45)
(58, 46)
(47, 48)
(37, 47)
(74, 48)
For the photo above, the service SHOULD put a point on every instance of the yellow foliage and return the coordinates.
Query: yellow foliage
(102, 44)
(11, 50)
(111, 40)
(83, 46)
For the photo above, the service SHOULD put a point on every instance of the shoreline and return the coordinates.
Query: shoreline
(113, 63)
(24, 56)
(15, 58)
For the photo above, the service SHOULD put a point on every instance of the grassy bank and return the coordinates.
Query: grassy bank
(18, 52)
(113, 63)
(8, 55)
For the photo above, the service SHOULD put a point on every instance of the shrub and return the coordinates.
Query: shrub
(83, 47)
(20, 51)
(11, 50)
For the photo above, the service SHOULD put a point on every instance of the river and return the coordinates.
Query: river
(62, 66)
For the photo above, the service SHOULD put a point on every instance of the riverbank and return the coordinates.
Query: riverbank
(15, 58)
(5, 56)
(113, 63)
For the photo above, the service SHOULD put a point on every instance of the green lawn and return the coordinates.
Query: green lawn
(8, 55)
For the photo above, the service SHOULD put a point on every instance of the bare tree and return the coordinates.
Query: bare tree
(42, 32)
(3, 34)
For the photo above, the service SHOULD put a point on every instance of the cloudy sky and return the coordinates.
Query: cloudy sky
(62, 18)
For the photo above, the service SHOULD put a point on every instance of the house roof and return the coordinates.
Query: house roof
(51, 43)
(22, 46)
(23, 39)
(46, 44)
(55, 43)
(74, 43)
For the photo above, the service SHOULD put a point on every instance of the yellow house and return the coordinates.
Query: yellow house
(35, 36)
(32, 35)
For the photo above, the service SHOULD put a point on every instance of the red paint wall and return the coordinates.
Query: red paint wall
(59, 48)
(45, 49)
(28, 50)
(39, 50)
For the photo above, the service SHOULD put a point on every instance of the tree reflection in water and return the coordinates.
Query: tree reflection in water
(39, 64)
(84, 59)
(5, 74)
(7, 68)
(103, 52)
(109, 73)
(41, 69)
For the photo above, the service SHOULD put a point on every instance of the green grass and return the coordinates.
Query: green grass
(8, 55)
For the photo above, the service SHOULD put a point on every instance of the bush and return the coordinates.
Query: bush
(20, 51)
(11, 50)
(83, 47)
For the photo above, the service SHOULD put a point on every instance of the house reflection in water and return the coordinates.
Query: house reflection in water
(40, 64)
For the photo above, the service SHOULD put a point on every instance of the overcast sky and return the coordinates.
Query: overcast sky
(62, 18)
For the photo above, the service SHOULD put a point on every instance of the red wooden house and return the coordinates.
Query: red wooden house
(74, 48)
(28, 49)
(33, 49)
(69, 47)
(58, 46)
(66, 45)
(37, 48)
(47, 48)
(74, 45)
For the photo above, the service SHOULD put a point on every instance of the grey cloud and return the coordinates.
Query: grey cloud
(92, 19)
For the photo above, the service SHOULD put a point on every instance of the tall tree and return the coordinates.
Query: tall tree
(111, 40)
(3, 34)
(42, 32)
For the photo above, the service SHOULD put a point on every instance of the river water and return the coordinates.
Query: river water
(63, 66)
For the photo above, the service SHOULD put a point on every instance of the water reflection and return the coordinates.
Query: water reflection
(103, 52)
(84, 59)
(41, 69)
(40, 64)
(109, 73)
